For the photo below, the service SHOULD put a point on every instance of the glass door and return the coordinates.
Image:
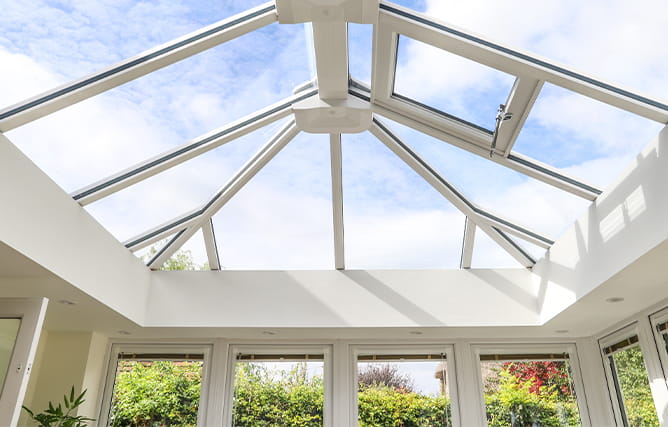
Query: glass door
(20, 327)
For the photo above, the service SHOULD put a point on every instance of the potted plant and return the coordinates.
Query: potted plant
(61, 415)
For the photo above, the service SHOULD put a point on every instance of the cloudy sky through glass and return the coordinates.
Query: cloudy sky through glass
(282, 219)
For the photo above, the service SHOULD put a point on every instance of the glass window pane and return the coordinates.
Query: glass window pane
(403, 392)
(632, 384)
(277, 392)
(156, 391)
(528, 392)
(450, 83)
(9, 329)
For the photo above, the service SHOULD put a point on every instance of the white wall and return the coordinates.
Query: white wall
(39, 220)
(623, 224)
(360, 298)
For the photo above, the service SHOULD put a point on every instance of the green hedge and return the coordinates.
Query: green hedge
(167, 394)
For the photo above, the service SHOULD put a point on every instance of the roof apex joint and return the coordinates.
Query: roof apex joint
(350, 115)
(299, 11)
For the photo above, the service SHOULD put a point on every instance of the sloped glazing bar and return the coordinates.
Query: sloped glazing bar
(232, 187)
(210, 245)
(164, 230)
(421, 27)
(509, 245)
(137, 66)
(450, 192)
(187, 151)
(467, 244)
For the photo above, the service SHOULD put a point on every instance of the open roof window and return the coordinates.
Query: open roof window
(449, 83)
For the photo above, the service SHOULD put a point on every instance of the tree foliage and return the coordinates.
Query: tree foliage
(633, 381)
(155, 394)
(180, 261)
(384, 375)
(266, 397)
(519, 402)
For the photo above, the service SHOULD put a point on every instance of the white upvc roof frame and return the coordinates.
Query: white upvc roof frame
(531, 72)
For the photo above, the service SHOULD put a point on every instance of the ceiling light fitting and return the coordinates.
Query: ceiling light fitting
(501, 116)
(613, 300)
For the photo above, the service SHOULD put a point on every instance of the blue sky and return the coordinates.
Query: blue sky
(283, 218)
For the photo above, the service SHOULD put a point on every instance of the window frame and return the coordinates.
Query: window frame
(625, 332)
(110, 375)
(534, 348)
(31, 313)
(325, 350)
(655, 319)
(357, 350)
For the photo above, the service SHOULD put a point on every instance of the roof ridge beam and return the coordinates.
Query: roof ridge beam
(187, 151)
(420, 27)
(137, 66)
(451, 193)
(232, 187)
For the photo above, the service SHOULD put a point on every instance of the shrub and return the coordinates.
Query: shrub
(157, 393)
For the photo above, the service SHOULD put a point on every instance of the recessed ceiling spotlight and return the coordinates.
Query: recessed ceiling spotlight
(268, 333)
(415, 333)
(614, 299)
(66, 302)
(561, 331)
(123, 332)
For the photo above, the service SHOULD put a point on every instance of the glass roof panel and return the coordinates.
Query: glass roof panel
(450, 83)
(166, 108)
(282, 219)
(360, 47)
(417, 5)
(584, 137)
(77, 38)
(393, 218)
(543, 208)
(488, 254)
(178, 190)
(579, 36)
